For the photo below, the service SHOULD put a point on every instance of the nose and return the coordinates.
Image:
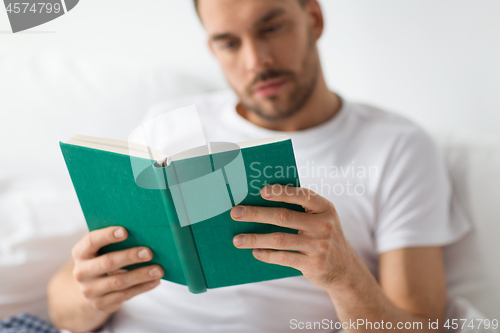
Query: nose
(257, 56)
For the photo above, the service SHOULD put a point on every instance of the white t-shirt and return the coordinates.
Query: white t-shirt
(386, 179)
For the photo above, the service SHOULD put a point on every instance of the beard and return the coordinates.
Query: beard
(287, 104)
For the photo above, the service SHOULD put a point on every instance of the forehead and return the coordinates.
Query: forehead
(223, 16)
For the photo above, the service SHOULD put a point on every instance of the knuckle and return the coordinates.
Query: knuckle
(117, 282)
(282, 215)
(282, 258)
(278, 191)
(114, 308)
(309, 195)
(326, 229)
(253, 213)
(87, 241)
(124, 296)
(251, 240)
(289, 190)
(75, 252)
(98, 304)
(279, 240)
(78, 274)
(306, 195)
(86, 291)
(324, 250)
(106, 262)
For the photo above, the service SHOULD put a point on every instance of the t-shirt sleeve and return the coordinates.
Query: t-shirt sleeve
(414, 200)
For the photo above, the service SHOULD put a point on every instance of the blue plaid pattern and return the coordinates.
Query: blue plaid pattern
(25, 323)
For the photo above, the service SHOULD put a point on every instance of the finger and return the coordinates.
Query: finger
(310, 200)
(110, 262)
(118, 271)
(89, 245)
(277, 241)
(112, 301)
(282, 258)
(102, 286)
(282, 217)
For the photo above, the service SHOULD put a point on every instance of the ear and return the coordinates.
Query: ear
(317, 21)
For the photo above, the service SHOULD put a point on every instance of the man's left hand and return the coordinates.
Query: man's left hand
(323, 255)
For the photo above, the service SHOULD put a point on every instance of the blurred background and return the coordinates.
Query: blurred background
(435, 61)
(99, 68)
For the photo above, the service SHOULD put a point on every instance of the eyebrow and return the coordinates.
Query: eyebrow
(264, 19)
(269, 16)
(221, 37)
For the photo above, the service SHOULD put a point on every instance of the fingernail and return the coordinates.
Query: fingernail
(257, 252)
(154, 283)
(155, 272)
(119, 233)
(239, 240)
(143, 254)
(267, 192)
(238, 211)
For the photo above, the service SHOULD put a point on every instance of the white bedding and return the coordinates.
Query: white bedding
(100, 79)
(40, 221)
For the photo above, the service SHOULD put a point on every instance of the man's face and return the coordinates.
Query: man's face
(267, 50)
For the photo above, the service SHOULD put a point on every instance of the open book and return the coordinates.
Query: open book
(179, 205)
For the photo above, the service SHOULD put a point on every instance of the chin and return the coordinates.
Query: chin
(272, 108)
(275, 114)
(274, 102)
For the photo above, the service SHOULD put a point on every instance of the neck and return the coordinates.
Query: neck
(321, 107)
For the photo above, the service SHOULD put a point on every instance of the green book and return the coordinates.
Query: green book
(179, 206)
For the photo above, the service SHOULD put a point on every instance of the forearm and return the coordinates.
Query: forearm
(363, 299)
(68, 308)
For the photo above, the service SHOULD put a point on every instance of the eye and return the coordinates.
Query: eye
(229, 45)
(272, 28)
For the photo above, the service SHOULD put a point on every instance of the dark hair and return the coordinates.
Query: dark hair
(301, 2)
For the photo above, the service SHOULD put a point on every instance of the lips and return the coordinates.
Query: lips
(269, 87)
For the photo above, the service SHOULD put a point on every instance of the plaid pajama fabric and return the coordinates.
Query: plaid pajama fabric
(25, 323)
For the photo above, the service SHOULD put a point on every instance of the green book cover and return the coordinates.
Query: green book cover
(182, 211)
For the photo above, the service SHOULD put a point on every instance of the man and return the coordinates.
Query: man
(369, 243)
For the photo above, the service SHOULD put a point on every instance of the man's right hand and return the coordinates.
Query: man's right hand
(100, 277)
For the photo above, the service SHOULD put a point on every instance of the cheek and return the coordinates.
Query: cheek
(234, 71)
(290, 50)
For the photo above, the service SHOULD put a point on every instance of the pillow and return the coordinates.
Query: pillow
(41, 221)
(472, 266)
(50, 96)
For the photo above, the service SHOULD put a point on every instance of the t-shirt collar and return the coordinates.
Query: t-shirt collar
(329, 130)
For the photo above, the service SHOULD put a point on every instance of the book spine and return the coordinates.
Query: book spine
(184, 240)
